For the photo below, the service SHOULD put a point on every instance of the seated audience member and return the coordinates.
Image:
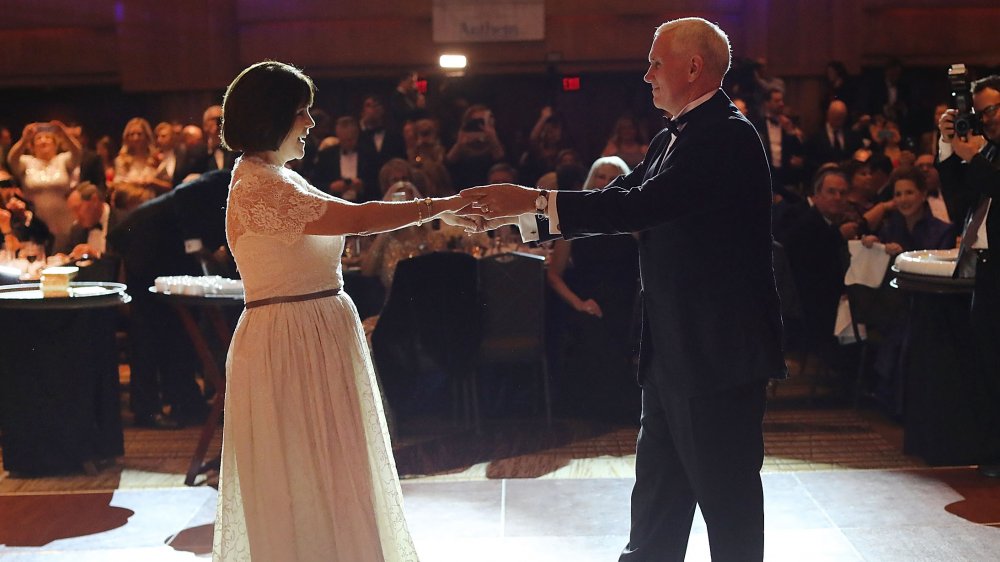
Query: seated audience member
(428, 155)
(209, 154)
(137, 162)
(544, 145)
(390, 247)
(91, 166)
(105, 149)
(566, 157)
(597, 278)
(859, 199)
(935, 198)
(168, 236)
(24, 226)
(881, 168)
(170, 153)
(393, 172)
(817, 253)
(835, 141)
(384, 141)
(909, 226)
(406, 103)
(45, 173)
(476, 149)
(888, 141)
(94, 218)
(783, 144)
(929, 140)
(346, 169)
(627, 141)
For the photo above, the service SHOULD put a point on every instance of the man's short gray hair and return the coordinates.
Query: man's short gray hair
(703, 38)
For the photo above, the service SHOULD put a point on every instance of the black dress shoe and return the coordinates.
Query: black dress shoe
(990, 470)
(156, 421)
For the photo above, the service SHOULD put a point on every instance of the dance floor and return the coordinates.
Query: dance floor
(837, 487)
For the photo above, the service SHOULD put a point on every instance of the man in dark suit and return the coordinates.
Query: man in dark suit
(93, 220)
(835, 142)
(782, 144)
(970, 171)
(383, 141)
(348, 169)
(817, 254)
(711, 323)
(168, 235)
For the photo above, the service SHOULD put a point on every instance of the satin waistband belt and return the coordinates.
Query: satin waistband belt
(293, 298)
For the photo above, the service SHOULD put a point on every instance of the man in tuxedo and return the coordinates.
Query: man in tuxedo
(782, 144)
(817, 254)
(169, 235)
(711, 322)
(970, 171)
(836, 142)
(382, 141)
(93, 219)
(347, 169)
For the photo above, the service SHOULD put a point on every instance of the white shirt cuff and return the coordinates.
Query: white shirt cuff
(528, 227)
(944, 150)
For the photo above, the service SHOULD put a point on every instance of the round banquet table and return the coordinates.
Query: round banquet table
(60, 409)
(938, 361)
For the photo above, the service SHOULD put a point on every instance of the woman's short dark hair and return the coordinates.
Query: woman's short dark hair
(260, 105)
(907, 173)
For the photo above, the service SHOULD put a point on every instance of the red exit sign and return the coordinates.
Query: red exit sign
(571, 83)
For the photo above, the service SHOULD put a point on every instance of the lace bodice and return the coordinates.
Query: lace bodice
(267, 211)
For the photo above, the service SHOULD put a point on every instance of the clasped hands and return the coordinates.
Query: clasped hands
(492, 206)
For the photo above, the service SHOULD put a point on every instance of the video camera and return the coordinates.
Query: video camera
(966, 121)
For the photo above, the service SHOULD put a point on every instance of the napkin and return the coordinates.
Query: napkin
(868, 265)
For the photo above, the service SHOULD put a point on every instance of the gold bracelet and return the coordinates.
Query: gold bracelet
(420, 215)
(430, 206)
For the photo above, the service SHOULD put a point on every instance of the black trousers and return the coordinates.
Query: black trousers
(705, 450)
(986, 325)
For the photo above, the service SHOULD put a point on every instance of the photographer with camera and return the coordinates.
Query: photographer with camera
(969, 166)
(476, 150)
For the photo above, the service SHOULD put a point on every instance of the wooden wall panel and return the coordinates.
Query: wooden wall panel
(57, 56)
(29, 14)
(188, 45)
(935, 36)
(177, 45)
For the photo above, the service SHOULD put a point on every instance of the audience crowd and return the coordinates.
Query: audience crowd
(867, 173)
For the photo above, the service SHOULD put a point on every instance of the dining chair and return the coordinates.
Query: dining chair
(430, 324)
(512, 296)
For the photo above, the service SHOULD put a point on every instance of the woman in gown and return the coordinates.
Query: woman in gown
(307, 469)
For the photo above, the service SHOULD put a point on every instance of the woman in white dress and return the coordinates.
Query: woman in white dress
(307, 468)
(46, 174)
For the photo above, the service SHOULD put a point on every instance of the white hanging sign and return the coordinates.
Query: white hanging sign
(486, 21)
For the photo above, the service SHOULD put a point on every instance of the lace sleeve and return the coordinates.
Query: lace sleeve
(272, 206)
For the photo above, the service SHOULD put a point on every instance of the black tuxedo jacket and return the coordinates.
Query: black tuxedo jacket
(327, 170)
(79, 235)
(711, 317)
(819, 150)
(962, 186)
(790, 146)
(817, 255)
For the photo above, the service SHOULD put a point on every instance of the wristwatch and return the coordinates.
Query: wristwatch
(542, 202)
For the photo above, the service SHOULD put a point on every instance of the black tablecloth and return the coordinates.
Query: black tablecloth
(939, 420)
(59, 390)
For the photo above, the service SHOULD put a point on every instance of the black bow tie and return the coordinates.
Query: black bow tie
(97, 226)
(675, 125)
